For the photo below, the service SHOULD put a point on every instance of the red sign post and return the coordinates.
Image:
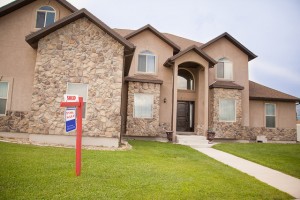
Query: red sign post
(79, 106)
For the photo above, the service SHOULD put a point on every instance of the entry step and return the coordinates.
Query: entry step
(191, 140)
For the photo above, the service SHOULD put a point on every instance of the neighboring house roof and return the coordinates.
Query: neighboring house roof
(15, 5)
(197, 50)
(183, 43)
(143, 78)
(234, 41)
(33, 38)
(175, 47)
(226, 85)
(261, 92)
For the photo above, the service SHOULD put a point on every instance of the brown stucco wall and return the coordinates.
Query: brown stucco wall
(80, 52)
(17, 58)
(17, 61)
(285, 114)
(224, 48)
(146, 40)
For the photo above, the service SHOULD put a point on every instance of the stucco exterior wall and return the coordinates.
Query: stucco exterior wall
(147, 40)
(285, 114)
(17, 58)
(80, 52)
(144, 126)
(224, 48)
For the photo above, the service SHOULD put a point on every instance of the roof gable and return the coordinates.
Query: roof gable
(194, 48)
(226, 35)
(175, 47)
(33, 38)
(261, 92)
(15, 5)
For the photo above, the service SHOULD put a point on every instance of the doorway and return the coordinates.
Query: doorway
(185, 116)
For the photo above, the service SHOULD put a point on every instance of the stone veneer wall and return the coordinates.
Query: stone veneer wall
(14, 121)
(225, 129)
(142, 126)
(235, 130)
(80, 52)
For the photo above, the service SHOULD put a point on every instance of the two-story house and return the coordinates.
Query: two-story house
(133, 82)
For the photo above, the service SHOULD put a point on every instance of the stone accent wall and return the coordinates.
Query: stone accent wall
(225, 129)
(14, 121)
(142, 126)
(274, 134)
(80, 52)
(199, 129)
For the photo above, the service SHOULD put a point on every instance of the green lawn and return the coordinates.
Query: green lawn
(151, 170)
(282, 157)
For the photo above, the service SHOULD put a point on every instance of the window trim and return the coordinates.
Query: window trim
(45, 11)
(155, 62)
(7, 97)
(194, 88)
(152, 106)
(216, 71)
(234, 110)
(275, 115)
(87, 96)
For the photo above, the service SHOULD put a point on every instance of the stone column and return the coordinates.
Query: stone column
(206, 99)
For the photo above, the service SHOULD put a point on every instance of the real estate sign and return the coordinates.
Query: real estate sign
(70, 117)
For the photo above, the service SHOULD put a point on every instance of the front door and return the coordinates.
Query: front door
(185, 116)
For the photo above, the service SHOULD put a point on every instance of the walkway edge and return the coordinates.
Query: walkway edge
(279, 180)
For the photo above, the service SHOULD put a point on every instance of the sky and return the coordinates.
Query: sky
(268, 28)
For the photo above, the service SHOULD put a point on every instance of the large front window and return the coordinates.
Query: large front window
(45, 16)
(143, 105)
(227, 110)
(3, 97)
(270, 110)
(224, 69)
(185, 80)
(81, 90)
(146, 62)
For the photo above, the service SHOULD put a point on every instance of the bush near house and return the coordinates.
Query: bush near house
(151, 170)
(281, 157)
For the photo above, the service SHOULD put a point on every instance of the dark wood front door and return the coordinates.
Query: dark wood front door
(185, 116)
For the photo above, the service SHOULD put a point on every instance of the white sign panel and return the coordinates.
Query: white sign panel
(71, 98)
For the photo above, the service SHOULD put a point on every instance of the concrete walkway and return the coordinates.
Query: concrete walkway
(281, 181)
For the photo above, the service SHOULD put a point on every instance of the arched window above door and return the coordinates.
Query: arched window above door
(185, 80)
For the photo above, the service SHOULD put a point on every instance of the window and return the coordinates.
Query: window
(81, 90)
(224, 69)
(3, 97)
(270, 115)
(227, 110)
(185, 80)
(143, 104)
(45, 16)
(146, 62)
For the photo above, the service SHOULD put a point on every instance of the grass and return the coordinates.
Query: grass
(151, 170)
(282, 157)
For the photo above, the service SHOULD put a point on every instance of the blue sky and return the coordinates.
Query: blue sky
(269, 28)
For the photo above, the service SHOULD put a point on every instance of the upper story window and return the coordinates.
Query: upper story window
(45, 16)
(185, 80)
(146, 62)
(224, 69)
(3, 97)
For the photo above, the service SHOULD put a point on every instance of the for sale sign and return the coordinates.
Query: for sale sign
(70, 117)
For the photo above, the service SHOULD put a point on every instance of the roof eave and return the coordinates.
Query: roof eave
(33, 38)
(273, 99)
(175, 47)
(250, 54)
